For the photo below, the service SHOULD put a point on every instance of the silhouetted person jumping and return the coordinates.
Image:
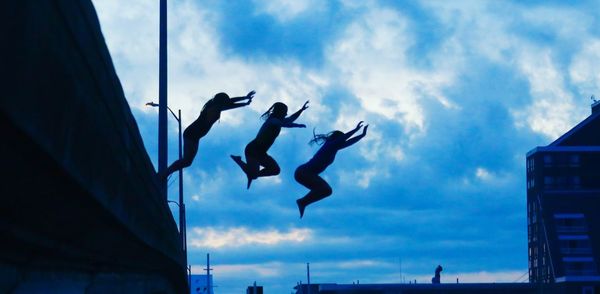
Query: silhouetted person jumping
(256, 151)
(308, 173)
(211, 112)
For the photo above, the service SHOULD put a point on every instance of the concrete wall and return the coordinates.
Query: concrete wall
(79, 196)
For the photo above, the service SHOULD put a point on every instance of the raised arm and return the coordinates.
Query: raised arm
(349, 134)
(284, 123)
(290, 119)
(235, 101)
(348, 142)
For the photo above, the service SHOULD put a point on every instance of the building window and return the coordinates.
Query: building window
(574, 160)
(577, 244)
(579, 266)
(548, 160)
(575, 182)
(587, 290)
(570, 223)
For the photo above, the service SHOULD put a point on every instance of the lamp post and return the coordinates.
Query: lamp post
(180, 204)
(162, 97)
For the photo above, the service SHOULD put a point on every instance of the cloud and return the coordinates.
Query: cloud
(243, 236)
(286, 10)
(506, 39)
(359, 177)
(583, 71)
(483, 174)
(272, 269)
(370, 59)
(552, 112)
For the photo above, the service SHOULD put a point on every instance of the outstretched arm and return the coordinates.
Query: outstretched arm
(290, 119)
(284, 123)
(235, 101)
(348, 142)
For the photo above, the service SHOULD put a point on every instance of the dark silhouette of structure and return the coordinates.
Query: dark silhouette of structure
(81, 206)
(563, 206)
(474, 288)
(254, 289)
(256, 150)
(211, 112)
(308, 173)
(437, 277)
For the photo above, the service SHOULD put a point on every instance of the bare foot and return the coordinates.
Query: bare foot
(242, 164)
(300, 208)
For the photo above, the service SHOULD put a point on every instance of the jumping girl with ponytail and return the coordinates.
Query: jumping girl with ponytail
(256, 151)
(308, 173)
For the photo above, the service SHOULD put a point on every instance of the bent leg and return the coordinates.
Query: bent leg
(252, 165)
(319, 188)
(271, 168)
(190, 148)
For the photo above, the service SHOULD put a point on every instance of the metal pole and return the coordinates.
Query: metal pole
(162, 98)
(308, 277)
(208, 273)
(189, 272)
(181, 205)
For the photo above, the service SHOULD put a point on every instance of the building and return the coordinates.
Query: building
(254, 289)
(563, 206)
(199, 284)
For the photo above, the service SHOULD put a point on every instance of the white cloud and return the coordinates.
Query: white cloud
(583, 70)
(199, 66)
(483, 174)
(360, 177)
(552, 111)
(130, 29)
(262, 270)
(242, 236)
(487, 30)
(369, 58)
(285, 10)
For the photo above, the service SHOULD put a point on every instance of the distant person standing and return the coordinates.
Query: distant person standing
(308, 173)
(211, 112)
(437, 278)
(256, 151)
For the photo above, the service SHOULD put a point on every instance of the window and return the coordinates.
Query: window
(548, 160)
(579, 266)
(574, 160)
(570, 223)
(575, 244)
(587, 290)
(575, 182)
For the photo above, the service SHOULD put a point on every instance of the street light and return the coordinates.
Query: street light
(180, 204)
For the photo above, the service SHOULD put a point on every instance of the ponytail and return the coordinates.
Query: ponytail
(320, 139)
(266, 115)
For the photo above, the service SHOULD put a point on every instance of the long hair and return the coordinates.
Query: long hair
(320, 139)
(219, 99)
(278, 109)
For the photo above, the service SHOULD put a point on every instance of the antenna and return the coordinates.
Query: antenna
(208, 286)
(594, 99)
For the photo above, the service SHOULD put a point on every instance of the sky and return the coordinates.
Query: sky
(455, 94)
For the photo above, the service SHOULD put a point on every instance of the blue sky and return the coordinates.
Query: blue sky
(455, 92)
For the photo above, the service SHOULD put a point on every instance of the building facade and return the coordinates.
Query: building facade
(563, 207)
